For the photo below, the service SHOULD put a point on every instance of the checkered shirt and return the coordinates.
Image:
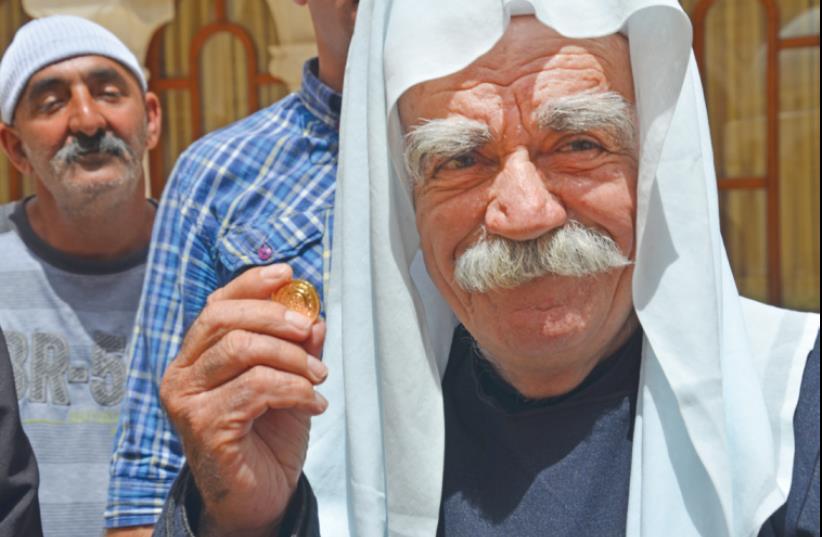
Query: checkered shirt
(257, 192)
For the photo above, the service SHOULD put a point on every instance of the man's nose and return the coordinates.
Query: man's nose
(85, 116)
(522, 207)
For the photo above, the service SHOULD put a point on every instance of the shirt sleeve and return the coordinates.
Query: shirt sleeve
(179, 277)
(182, 510)
(19, 508)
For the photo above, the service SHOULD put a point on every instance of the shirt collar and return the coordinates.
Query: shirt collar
(324, 102)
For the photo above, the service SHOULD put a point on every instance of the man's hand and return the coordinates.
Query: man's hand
(241, 394)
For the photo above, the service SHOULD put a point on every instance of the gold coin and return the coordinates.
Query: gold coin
(299, 296)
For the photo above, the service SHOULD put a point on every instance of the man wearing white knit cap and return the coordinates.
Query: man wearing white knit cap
(77, 119)
(531, 309)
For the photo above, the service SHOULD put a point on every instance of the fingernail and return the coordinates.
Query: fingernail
(274, 272)
(317, 368)
(298, 320)
(321, 401)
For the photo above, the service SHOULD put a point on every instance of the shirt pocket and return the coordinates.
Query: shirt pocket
(277, 240)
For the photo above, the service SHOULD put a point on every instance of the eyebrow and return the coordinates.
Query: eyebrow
(442, 139)
(586, 112)
(41, 87)
(105, 74)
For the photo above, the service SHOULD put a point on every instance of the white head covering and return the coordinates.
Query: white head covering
(42, 42)
(713, 444)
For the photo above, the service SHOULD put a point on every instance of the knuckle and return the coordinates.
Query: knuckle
(258, 379)
(173, 402)
(238, 343)
(297, 387)
(278, 348)
(167, 386)
(215, 296)
(209, 317)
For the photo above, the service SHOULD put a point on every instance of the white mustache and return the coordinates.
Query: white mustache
(573, 250)
(79, 146)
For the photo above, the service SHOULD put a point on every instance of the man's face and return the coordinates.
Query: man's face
(81, 128)
(539, 133)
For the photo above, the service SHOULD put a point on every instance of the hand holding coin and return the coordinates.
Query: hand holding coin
(299, 296)
(241, 394)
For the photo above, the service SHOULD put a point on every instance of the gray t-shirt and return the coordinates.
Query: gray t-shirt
(67, 322)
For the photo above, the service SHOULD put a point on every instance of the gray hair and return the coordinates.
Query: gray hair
(585, 112)
(442, 139)
(573, 250)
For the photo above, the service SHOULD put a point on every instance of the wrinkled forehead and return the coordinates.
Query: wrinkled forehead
(531, 62)
(643, 43)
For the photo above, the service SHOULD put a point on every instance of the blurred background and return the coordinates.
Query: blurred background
(215, 61)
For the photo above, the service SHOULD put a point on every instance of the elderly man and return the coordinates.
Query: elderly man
(258, 192)
(550, 161)
(77, 119)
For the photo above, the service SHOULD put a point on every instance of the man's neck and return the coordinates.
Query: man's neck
(107, 233)
(331, 68)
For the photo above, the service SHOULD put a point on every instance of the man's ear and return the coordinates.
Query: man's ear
(154, 120)
(13, 147)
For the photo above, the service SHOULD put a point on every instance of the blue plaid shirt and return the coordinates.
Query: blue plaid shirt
(257, 192)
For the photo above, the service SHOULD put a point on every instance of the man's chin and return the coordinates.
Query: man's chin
(527, 335)
(549, 306)
(86, 187)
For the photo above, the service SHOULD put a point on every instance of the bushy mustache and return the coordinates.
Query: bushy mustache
(573, 250)
(101, 143)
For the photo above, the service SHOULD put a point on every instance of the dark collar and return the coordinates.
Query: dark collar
(67, 262)
(616, 374)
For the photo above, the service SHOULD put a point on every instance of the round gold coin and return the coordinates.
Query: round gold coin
(299, 296)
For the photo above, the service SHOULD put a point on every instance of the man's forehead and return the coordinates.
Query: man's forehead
(527, 52)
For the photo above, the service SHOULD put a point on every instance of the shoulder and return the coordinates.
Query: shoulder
(276, 160)
(259, 148)
(252, 134)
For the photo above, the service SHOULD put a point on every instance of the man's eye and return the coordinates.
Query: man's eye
(49, 105)
(110, 94)
(460, 162)
(582, 145)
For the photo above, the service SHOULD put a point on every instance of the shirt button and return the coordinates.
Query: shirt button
(264, 252)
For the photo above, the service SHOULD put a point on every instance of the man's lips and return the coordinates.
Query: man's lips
(93, 159)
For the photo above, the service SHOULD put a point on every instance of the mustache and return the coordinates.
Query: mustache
(574, 250)
(101, 143)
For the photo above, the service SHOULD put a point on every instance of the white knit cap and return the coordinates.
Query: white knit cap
(45, 41)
